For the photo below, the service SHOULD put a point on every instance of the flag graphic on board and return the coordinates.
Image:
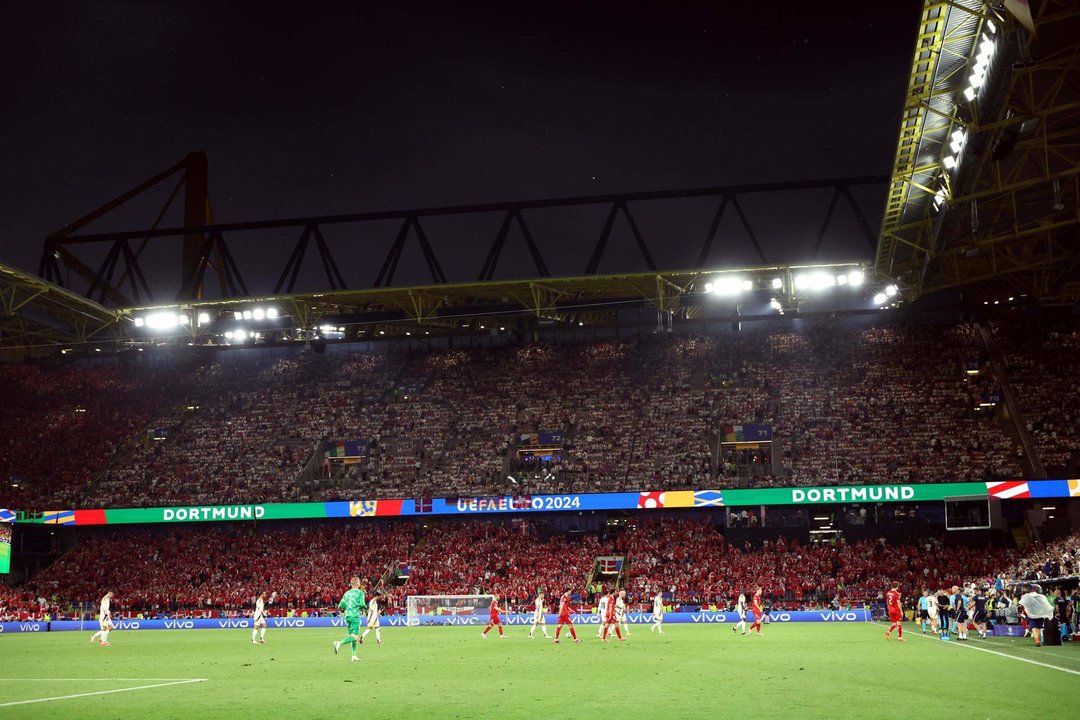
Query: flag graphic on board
(1008, 489)
(362, 508)
(650, 500)
(708, 498)
(1074, 488)
(58, 517)
(6, 515)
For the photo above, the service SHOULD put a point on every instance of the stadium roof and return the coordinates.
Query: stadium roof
(983, 192)
(79, 325)
(40, 317)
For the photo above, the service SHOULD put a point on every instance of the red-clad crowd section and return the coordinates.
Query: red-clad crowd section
(219, 570)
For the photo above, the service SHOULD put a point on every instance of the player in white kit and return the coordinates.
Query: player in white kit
(373, 620)
(104, 620)
(538, 616)
(601, 611)
(258, 621)
(740, 607)
(657, 613)
(620, 612)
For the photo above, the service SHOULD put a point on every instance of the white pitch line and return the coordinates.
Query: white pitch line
(88, 679)
(100, 692)
(995, 652)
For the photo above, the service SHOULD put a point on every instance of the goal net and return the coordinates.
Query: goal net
(418, 606)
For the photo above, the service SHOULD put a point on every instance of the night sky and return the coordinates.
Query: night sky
(317, 108)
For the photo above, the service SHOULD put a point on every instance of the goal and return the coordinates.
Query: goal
(463, 606)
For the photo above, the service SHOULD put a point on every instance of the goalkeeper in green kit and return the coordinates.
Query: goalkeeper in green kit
(354, 604)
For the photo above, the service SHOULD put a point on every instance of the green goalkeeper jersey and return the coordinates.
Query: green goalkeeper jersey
(353, 602)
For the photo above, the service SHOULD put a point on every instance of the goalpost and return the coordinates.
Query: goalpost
(446, 605)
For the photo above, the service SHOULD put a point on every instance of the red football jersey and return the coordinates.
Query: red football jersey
(757, 602)
(494, 607)
(892, 600)
(564, 605)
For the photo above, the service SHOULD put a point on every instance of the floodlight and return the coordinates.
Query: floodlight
(247, 314)
(777, 283)
(204, 318)
(229, 334)
(890, 290)
(272, 313)
(161, 320)
(139, 322)
(855, 278)
(730, 285)
(258, 313)
(238, 315)
(879, 298)
(949, 161)
(969, 93)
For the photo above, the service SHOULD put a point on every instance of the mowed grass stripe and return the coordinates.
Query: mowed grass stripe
(812, 670)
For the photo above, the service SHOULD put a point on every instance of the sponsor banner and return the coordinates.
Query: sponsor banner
(645, 500)
(697, 618)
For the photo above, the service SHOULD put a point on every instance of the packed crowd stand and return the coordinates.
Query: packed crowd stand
(848, 402)
(199, 571)
(1042, 369)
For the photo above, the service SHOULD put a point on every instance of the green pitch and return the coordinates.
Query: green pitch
(796, 670)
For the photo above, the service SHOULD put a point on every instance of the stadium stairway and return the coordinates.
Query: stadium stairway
(1016, 426)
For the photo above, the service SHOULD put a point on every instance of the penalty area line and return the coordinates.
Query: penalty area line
(996, 652)
(101, 692)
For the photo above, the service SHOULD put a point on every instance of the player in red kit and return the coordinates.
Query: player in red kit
(609, 619)
(564, 617)
(755, 605)
(896, 615)
(494, 620)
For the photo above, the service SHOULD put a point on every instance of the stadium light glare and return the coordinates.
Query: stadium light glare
(890, 290)
(949, 162)
(969, 93)
(708, 287)
(991, 26)
(204, 318)
(184, 320)
(229, 334)
(240, 335)
(139, 322)
(976, 80)
(856, 278)
(987, 46)
(814, 281)
(777, 283)
(841, 279)
(880, 298)
(247, 314)
(258, 314)
(161, 320)
(726, 286)
(272, 313)
(237, 315)
(775, 304)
